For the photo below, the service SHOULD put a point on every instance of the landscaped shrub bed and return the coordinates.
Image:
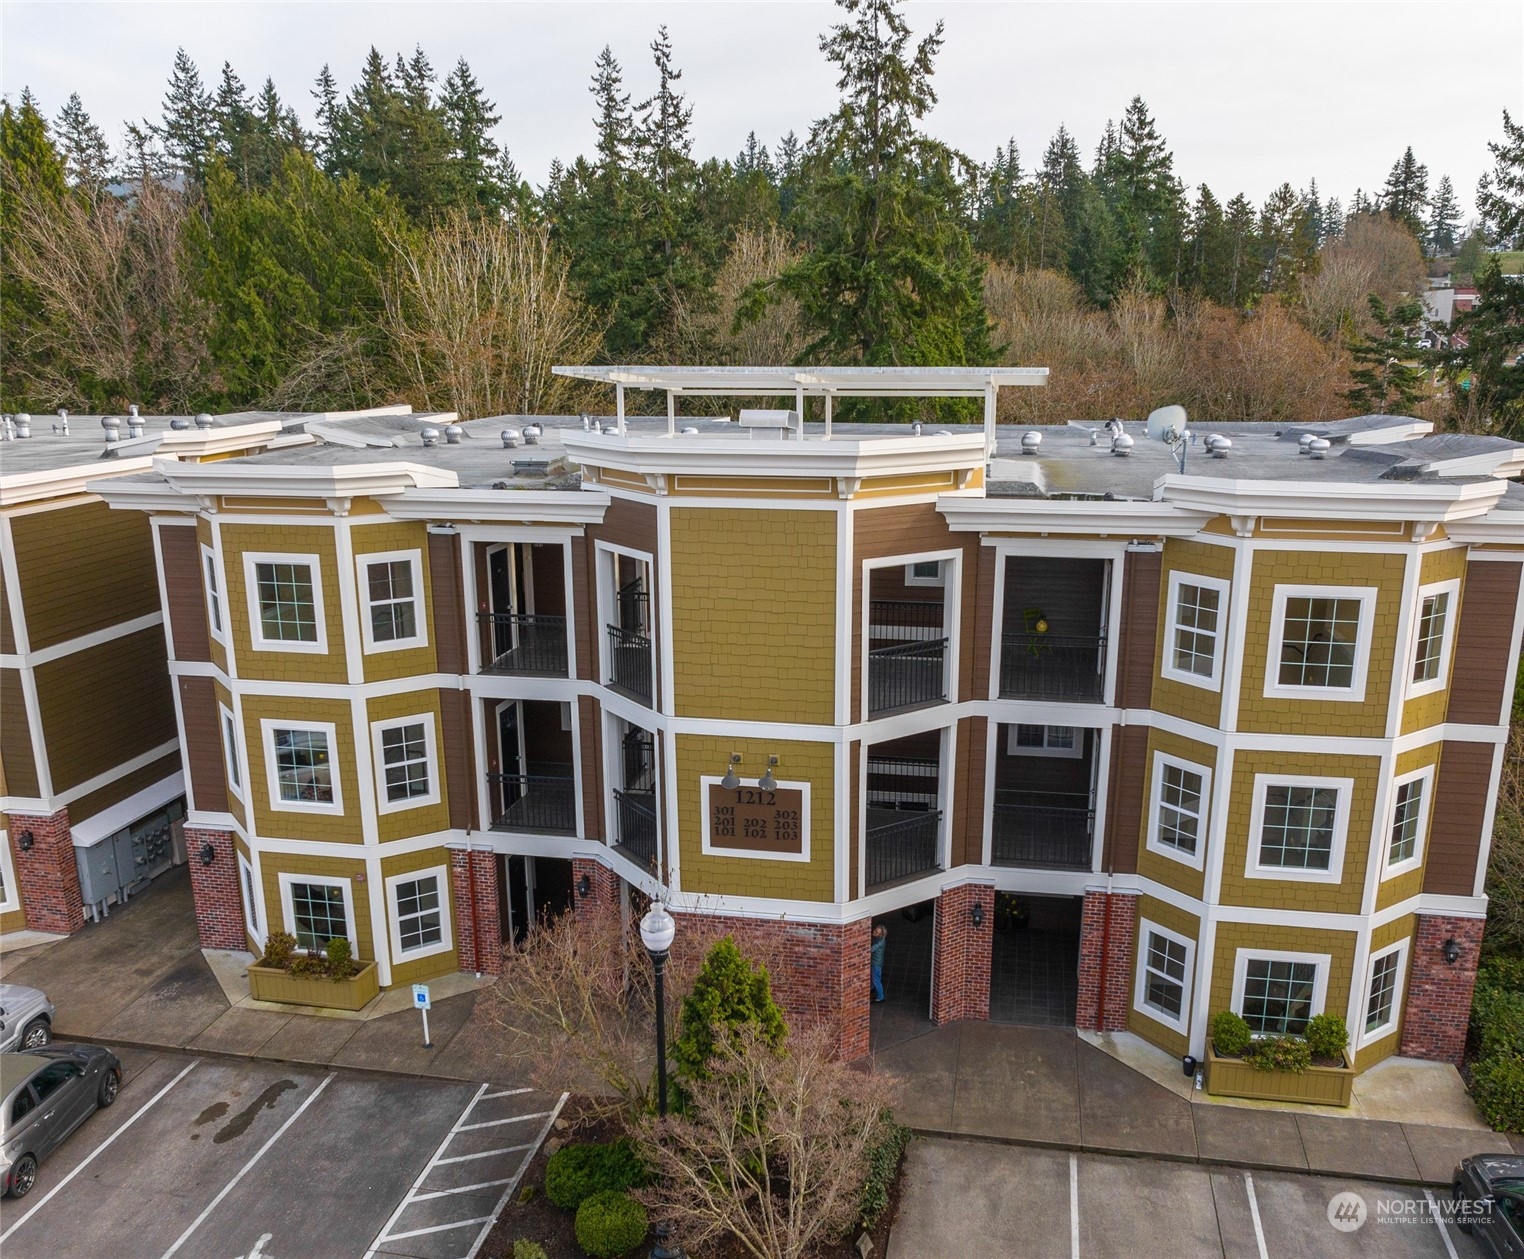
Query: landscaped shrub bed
(1497, 1038)
(1322, 1044)
(335, 962)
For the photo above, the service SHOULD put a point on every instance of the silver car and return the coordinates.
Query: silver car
(26, 1018)
(44, 1095)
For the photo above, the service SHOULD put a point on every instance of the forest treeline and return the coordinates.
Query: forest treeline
(228, 256)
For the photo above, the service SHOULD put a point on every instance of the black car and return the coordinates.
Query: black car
(44, 1095)
(1489, 1202)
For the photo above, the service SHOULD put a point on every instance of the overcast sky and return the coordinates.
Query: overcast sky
(1247, 95)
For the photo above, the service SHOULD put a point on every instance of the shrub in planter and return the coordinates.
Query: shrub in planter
(341, 957)
(575, 1172)
(1497, 1087)
(1230, 1035)
(279, 946)
(1327, 1037)
(610, 1223)
(1281, 1053)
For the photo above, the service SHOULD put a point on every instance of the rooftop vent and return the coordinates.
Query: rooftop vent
(452, 434)
(532, 434)
(587, 424)
(1121, 444)
(23, 424)
(134, 423)
(113, 427)
(1303, 443)
(1218, 446)
(179, 424)
(63, 418)
(916, 428)
(510, 438)
(1031, 442)
(1317, 447)
(690, 431)
(430, 436)
(203, 420)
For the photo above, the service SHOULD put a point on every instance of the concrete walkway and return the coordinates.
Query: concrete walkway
(1048, 1087)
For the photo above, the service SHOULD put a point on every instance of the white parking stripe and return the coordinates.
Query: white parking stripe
(487, 1097)
(1074, 1206)
(466, 1158)
(1259, 1229)
(47, 1197)
(497, 1123)
(437, 1228)
(1444, 1233)
(445, 1193)
(550, 1118)
(249, 1166)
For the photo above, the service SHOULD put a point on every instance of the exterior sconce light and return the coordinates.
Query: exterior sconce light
(208, 854)
(25, 840)
(732, 780)
(977, 914)
(1452, 951)
(767, 782)
(584, 886)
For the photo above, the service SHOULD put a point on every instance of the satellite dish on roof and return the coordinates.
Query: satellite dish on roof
(1167, 423)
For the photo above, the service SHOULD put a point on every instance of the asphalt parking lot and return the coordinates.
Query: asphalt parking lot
(234, 1159)
(965, 1197)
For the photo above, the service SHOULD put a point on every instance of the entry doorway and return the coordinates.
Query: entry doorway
(1034, 972)
(531, 890)
(906, 1009)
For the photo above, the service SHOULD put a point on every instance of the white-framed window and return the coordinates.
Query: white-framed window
(285, 602)
(391, 590)
(1320, 642)
(1433, 637)
(1300, 828)
(213, 592)
(10, 891)
(231, 751)
(418, 903)
(1277, 993)
(1383, 992)
(250, 890)
(1177, 823)
(1410, 822)
(1026, 740)
(1196, 619)
(299, 761)
(318, 908)
(1166, 973)
(407, 768)
(924, 573)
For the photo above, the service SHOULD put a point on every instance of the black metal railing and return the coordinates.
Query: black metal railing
(908, 675)
(902, 847)
(897, 781)
(904, 618)
(535, 802)
(1053, 666)
(636, 825)
(1043, 828)
(524, 644)
(630, 663)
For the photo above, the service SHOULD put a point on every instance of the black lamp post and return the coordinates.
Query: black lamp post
(656, 931)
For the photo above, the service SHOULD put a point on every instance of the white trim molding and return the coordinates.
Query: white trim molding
(1154, 844)
(248, 888)
(1441, 679)
(1181, 1022)
(268, 726)
(288, 913)
(214, 589)
(378, 731)
(1368, 1036)
(420, 635)
(1255, 869)
(10, 890)
(1390, 869)
(707, 781)
(446, 941)
(1355, 691)
(233, 760)
(1210, 681)
(1242, 958)
(251, 562)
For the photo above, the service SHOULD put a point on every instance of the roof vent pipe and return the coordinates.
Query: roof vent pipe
(916, 428)
(179, 423)
(1031, 443)
(430, 436)
(113, 427)
(1218, 446)
(587, 424)
(510, 438)
(64, 418)
(203, 420)
(1317, 446)
(531, 435)
(132, 410)
(1303, 442)
(7, 428)
(23, 424)
(1121, 444)
(452, 434)
(134, 424)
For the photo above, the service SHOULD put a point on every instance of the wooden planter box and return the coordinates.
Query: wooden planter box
(1318, 1086)
(268, 984)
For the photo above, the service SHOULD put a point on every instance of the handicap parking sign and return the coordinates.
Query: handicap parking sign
(421, 996)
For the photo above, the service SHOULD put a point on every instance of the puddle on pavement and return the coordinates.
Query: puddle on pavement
(239, 1123)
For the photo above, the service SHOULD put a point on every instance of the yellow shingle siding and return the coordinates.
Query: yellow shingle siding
(296, 667)
(1180, 699)
(274, 864)
(413, 972)
(287, 824)
(422, 819)
(1183, 924)
(1423, 711)
(1152, 865)
(397, 535)
(754, 614)
(1259, 939)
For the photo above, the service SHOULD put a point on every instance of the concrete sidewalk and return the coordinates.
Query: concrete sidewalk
(1048, 1087)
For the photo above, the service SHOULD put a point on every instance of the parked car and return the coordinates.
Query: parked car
(26, 1018)
(44, 1095)
(1489, 1202)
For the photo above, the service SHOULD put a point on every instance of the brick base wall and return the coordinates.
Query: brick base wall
(1437, 1009)
(1106, 961)
(48, 874)
(215, 891)
(605, 889)
(960, 984)
(478, 925)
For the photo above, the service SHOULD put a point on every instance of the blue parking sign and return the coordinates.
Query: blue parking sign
(421, 996)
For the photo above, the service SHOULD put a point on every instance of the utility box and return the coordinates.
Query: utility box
(98, 880)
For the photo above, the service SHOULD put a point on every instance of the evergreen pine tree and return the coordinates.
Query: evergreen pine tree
(1058, 191)
(1135, 174)
(482, 183)
(1286, 246)
(728, 994)
(1004, 206)
(1500, 192)
(1485, 365)
(1333, 220)
(86, 155)
(1241, 281)
(326, 93)
(1471, 257)
(788, 172)
(188, 127)
(1406, 194)
(613, 119)
(754, 158)
(1386, 381)
(1444, 218)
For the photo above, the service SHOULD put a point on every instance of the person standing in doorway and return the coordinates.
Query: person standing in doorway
(880, 945)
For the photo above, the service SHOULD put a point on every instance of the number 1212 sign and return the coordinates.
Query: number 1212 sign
(750, 819)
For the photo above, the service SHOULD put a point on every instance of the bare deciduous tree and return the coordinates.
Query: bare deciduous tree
(712, 333)
(773, 1151)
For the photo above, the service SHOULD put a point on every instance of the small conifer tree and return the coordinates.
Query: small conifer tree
(729, 993)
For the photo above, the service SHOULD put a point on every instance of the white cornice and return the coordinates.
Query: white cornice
(32, 487)
(1121, 518)
(1332, 500)
(1505, 527)
(582, 507)
(279, 480)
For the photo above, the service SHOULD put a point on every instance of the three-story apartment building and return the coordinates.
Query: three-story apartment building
(1240, 703)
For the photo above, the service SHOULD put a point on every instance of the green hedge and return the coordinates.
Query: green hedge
(883, 1167)
(1497, 1034)
(610, 1223)
(575, 1172)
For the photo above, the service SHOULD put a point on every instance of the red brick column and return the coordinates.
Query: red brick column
(960, 973)
(605, 890)
(1107, 929)
(48, 874)
(214, 889)
(478, 926)
(1437, 1009)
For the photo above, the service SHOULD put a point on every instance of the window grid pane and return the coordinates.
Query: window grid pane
(1278, 996)
(1378, 1010)
(419, 922)
(214, 596)
(302, 766)
(405, 761)
(230, 738)
(1318, 642)
(1196, 612)
(1431, 637)
(1298, 828)
(1165, 968)
(1405, 819)
(319, 913)
(1180, 808)
(393, 611)
(287, 611)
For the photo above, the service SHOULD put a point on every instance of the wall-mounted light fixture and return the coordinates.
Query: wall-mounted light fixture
(584, 886)
(208, 854)
(1452, 950)
(977, 914)
(767, 782)
(25, 841)
(732, 780)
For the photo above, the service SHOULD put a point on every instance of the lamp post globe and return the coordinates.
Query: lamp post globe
(657, 928)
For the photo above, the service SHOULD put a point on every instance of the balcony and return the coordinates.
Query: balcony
(904, 821)
(544, 803)
(900, 845)
(1051, 829)
(907, 655)
(522, 644)
(1065, 667)
(635, 826)
(630, 663)
(1053, 646)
